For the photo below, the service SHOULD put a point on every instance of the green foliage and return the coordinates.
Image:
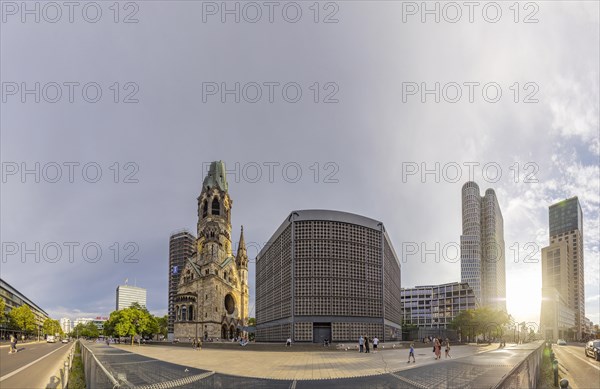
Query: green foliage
(481, 321)
(2, 308)
(163, 325)
(23, 319)
(52, 327)
(77, 373)
(132, 321)
(88, 330)
(251, 321)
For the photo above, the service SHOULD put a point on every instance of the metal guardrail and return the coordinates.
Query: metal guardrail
(527, 373)
(96, 375)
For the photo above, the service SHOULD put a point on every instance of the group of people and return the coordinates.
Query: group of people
(364, 344)
(437, 347)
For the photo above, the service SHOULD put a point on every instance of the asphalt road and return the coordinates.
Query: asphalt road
(32, 366)
(581, 371)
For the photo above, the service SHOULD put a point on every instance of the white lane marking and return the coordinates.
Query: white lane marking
(578, 357)
(29, 364)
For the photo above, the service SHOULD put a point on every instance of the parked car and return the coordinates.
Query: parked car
(592, 349)
(561, 342)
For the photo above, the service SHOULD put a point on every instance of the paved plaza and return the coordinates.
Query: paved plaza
(288, 364)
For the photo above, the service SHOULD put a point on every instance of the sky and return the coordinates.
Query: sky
(111, 115)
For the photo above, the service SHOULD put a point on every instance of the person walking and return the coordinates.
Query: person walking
(411, 353)
(13, 343)
(448, 348)
(194, 343)
(367, 344)
(375, 343)
(361, 343)
(438, 349)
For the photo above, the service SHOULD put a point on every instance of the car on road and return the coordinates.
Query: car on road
(561, 342)
(50, 339)
(592, 349)
(65, 340)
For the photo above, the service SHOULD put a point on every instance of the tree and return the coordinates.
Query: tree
(23, 319)
(52, 327)
(2, 308)
(481, 321)
(132, 321)
(163, 325)
(251, 321)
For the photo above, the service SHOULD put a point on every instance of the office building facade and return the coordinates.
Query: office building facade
(14, 299)
(182, 245)
(328, 275)
(482, 246)
(563, 271)
(435, 306)
(127, 295)
(66, 324)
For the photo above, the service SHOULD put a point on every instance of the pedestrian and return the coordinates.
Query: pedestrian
(194, 343)
(375, 343)
(448, 348)
(13, 342)
(438, 349)
(288, 342)
(361, 343)
(411, 353)
(367, 344)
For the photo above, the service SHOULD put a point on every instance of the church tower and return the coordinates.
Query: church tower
(212, 298)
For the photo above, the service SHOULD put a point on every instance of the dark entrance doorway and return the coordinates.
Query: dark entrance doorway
(321, 331)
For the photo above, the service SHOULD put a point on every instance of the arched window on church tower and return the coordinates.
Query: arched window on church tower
(183, 313)
(216, 207)
(178, 315)
(191, 313)
(204, 208)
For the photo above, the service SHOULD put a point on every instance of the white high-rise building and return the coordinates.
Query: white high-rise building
(66, 325)
(482, 261)
(127, 295)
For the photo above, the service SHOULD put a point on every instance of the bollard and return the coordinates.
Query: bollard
(564, 383)
(555, 369)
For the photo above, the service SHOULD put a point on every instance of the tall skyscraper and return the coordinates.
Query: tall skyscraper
(182, 245)
(482, 263)
(127, 295)
(563, 263)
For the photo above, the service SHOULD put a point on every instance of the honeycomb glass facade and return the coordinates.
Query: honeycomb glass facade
(327, 275)
(435, 306)
(482, 259)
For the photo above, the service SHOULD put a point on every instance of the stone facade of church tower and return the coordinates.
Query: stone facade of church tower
(212, 296)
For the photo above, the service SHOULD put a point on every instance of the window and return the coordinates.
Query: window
(204, 209)
(216, 207)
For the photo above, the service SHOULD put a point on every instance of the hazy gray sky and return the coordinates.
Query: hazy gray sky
(168, 107)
